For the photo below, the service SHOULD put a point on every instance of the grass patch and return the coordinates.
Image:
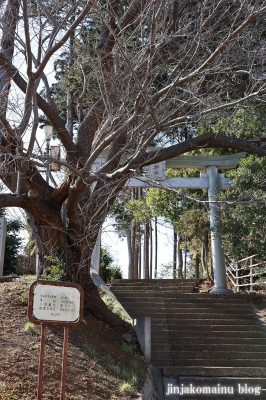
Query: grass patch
(116, 308)
(130, 374)
(127, 388)
(127, 348)
(23, 297)
(30, 328)
(90, 349)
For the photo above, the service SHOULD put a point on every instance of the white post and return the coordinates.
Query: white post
(37, 264)
(218, 259)
(2, 244)
(251, 274)
(147, 339)
(95, 258)
(237, 277)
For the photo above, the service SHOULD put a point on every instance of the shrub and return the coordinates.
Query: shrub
(127, 388)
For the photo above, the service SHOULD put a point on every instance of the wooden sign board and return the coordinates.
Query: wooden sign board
(55, 303)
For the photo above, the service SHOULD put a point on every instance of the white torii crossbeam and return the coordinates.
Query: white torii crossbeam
(211, 180)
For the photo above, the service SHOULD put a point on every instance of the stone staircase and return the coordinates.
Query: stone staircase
(205, 342)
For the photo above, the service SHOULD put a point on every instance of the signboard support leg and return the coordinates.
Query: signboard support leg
(40, 372)
(64, 362)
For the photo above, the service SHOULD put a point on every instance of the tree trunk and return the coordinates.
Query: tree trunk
(92, 298)
(9, 22)
(179, 257)
(146, 249)
(140, 258)
(204, 252)
(197, 262)
(130, 254)
(155, 247)
(175, 256)
(44, 217)
(136, 262)
(151, 248)
(185, 263)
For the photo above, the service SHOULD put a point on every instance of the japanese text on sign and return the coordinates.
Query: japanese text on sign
(56, 303)
(156, 171)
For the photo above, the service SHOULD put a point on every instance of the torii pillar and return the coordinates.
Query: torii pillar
(212, 163)
(218, 258)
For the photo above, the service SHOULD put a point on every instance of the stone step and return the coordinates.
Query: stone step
(207, 355)
(163, 340)
(158, 307)
(191, 327)
(203, 362)
(247, 371)
(179, 298)
(180, 304)
(149, 290)
(152, 286)
(183, 318)
(210, 347)
(183, 308)
(212, 320)
(228, 298)
(211, 335)
(200, 316)
(135, 282)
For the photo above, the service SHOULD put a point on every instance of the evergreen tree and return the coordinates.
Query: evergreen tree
(13, 244)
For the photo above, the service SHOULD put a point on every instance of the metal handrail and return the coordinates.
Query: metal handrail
(233, 267)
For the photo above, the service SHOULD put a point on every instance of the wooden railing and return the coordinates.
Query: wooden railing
(241, 271)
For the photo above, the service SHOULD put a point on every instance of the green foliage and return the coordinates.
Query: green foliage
(127, 388)
(90, 349)
(166, 271)
(243, 213)
(29, 245)
(139, 209)
(182, 209)
(30, 328)
(109, 271)
(56, 271)
(115, 307)
(243, 208)
(13, 244)
(23, 297)
(131, 374)
(127, 348)
(122, 216)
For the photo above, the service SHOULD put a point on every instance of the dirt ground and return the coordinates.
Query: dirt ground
(101, 363)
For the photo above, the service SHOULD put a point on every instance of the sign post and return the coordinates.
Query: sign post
(56, 304)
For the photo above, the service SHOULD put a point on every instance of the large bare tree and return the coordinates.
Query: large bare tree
(143, 69)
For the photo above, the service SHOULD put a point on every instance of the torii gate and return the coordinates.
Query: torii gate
(211, 180)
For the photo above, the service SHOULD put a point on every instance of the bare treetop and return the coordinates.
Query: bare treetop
(132, 72)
